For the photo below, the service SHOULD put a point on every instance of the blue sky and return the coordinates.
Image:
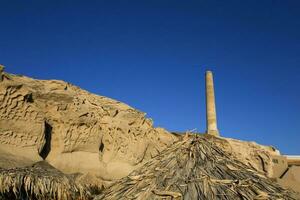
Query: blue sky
(153, 55)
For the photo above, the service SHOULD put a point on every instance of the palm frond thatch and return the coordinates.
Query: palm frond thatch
(195, 168)
(40, 182)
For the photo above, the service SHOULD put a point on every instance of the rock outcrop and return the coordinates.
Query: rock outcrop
(257, 156)
(94, 137)
(72, 129)
(250, 153)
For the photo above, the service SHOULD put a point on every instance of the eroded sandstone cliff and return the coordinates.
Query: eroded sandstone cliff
(79, 132)
(72, 129)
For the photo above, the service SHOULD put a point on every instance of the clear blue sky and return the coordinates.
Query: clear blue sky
(153, 55)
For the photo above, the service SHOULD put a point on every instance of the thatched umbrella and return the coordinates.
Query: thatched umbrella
(195, 168)
(40, 181)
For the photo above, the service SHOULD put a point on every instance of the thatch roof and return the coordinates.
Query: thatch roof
(195, 168)
(40, 181)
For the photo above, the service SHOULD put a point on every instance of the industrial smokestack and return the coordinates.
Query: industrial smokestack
(211, 116)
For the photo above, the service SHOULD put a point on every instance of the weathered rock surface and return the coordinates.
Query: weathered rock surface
(72, 129)
(250, 153)
(79, 132)
(291, 178)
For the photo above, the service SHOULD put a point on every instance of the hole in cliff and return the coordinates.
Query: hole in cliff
(47, 147)
(116, 113)
(101, 147)
(28, 98)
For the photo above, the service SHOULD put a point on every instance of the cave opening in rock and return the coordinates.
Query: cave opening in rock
(28, 98)
(47, 146)
(101, 147)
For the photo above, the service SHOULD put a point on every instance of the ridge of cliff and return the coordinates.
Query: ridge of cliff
(72, 129)
(94, 139)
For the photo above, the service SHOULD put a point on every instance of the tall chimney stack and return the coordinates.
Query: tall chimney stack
(211, 116)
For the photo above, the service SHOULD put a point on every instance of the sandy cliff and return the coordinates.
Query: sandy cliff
(97, 138)
(72, 129)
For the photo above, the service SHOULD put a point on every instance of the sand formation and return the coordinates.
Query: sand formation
(58, 141)
(73, 130)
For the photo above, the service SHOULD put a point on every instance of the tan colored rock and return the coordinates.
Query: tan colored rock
(74, 130)
(259, 157)
(291, 178)
(279, 166)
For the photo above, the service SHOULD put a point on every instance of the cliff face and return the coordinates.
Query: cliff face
(79, 132)
(72, 129)
(252, 154)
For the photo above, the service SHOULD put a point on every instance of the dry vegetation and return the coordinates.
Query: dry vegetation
(40, 181)
(196, 168)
